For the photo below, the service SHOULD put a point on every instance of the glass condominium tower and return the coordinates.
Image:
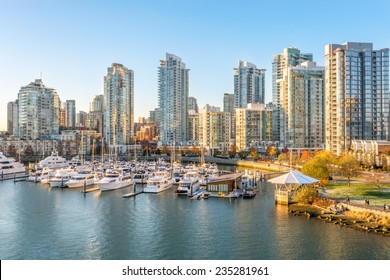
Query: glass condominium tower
(280, 65)
(38, 111)
(118, 105)
(173, 100)
(357, 94)
(248, 84)
(305, 106)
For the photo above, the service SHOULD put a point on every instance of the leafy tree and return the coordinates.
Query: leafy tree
(253, 153)
(320, 167)
(145, 151)
(11, 151)
(348, 166)
(283, 157)
(164, 149)
(305, 156)
(305, 195)
(195, 150)
(285, 150)
(232, 151)
(243, 154)
(29, 150)
(326, 158)
(317, 168)
(271, 150)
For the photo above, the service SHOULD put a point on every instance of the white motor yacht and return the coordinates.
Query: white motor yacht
(115, 179)
(247, 182)
(45, 175)
(161, 181)
(82, 179)
(62, 176)
(141, 178)
(75, 161)
(213, 170)
(10, 166)
(189, 184)
(54, 161)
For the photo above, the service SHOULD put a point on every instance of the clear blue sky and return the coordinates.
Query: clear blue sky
(73, 42)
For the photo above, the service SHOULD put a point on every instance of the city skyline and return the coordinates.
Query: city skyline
(73, 55)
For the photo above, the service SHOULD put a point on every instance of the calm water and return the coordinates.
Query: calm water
(37, 222)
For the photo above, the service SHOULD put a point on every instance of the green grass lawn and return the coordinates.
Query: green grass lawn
(358, 192)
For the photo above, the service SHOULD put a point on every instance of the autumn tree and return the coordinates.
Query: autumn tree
(253, 153)
(305, 156)
(195, 150)
(271, 151)
(164, 149)
(318, 169)
(232, 151)
(348, 166)
(243, 154)
(283, 157)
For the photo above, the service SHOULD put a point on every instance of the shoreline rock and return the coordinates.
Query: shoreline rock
(343, 220)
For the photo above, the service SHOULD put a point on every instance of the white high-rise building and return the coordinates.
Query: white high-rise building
(38, 111)
(193, 127)
(12, 117)
(228, 107)
(82, 119)
(173, 100)
(95, 115)
(96, 104)
(249, 125)
(249, 84)
(280, 64)
(214, 129)
(118, 105)
(304, 106)
(357, 94)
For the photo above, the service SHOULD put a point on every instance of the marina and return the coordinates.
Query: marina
(103, 225)
(210, 205)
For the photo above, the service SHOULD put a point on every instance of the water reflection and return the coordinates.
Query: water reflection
(41, 223)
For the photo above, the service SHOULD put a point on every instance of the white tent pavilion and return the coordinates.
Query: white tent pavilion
(287, 184)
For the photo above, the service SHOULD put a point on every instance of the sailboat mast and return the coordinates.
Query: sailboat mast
(93, 149)
(82, 147)
(102, 151)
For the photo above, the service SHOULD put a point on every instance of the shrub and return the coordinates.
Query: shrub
(323, 202)
(305, 195)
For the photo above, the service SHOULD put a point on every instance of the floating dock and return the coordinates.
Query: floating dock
(89, 190)
(16, 178)
(131, 194)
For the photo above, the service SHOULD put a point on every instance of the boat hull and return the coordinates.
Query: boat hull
(58, 184)
(12, 170)
(114, 185)
(80, 183)
(160, 188)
